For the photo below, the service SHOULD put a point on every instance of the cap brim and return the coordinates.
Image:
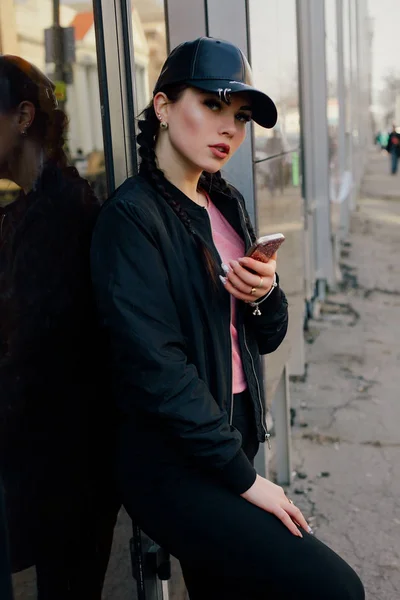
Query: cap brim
(264, 111)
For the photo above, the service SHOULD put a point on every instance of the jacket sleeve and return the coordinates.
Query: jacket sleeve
(269, 328)
(148, 350)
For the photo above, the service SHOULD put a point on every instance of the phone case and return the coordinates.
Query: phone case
(263, 251)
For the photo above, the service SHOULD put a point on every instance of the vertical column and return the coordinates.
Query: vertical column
(113, 24)
(313, 93)
(282, 430)
(186, 20)
(93, 81)
(8, 28)
(84, 109)
(345, 188)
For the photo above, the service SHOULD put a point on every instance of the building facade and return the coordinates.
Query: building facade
(302, 178)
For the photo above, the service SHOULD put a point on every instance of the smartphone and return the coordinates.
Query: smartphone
(266, 246)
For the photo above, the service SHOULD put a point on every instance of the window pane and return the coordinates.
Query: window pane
(273, 38)
(274, 57)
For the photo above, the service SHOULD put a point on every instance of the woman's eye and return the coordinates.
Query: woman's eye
(243, 117)
(213, 104)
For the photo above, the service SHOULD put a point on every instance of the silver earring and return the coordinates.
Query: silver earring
(24, 132)
(164, 125)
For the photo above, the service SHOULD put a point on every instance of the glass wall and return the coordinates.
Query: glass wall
(274, 57)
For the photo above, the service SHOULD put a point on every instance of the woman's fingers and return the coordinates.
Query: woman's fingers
(297, 516)
(237, 293)
(287, 521)
(244, 282)
(257, 266)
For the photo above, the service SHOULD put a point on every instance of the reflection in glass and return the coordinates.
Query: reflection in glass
(280, 210)
(75, 75)
(273, 38)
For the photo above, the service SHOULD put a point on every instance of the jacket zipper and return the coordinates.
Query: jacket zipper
(230, 337)
(263, 416)
(263, 419)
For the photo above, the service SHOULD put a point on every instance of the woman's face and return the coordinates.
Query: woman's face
(203, 131)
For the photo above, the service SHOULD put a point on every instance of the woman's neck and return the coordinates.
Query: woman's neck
(28, 167)
(181, 174)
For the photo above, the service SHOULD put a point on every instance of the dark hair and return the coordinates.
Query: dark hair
(20, 81)
(149, 128)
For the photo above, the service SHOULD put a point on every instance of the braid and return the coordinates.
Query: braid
(149, 127)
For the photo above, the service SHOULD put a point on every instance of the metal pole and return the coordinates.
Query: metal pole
(344, 207)
(281, 411)
(56, 13)
(59, 75)
(5, 570)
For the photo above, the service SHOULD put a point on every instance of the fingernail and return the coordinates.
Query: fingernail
(223, 279)
(300, 534)
(225, 268)
(234, 263)
(310, 531)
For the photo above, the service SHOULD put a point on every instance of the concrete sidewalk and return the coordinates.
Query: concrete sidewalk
(346, 440)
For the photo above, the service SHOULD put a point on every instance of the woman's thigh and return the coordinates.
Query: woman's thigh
(228, 547)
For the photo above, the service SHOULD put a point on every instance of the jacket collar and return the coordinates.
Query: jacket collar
(227, 204)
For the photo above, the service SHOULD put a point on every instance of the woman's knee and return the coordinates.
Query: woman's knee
(338, 582)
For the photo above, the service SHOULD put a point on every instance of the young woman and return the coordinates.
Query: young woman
(53, 441)
(176, 298)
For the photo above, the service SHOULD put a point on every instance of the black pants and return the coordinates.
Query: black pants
(228, 548)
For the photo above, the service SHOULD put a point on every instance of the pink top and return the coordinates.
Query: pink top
(230, 247)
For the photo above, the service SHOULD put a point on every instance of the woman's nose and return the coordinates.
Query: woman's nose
(228, 128)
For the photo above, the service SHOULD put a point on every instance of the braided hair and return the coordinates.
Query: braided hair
(149, 128)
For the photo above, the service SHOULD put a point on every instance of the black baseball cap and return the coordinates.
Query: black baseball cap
(216, 66)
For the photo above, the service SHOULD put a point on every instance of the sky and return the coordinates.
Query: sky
(386, 41)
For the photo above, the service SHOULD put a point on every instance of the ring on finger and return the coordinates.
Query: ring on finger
(261, 282)
(253, 291)
(291, 501)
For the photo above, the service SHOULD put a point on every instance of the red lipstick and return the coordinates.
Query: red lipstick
(220, 150)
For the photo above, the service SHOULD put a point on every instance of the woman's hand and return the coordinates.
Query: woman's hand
(246, 285)
(271, 498)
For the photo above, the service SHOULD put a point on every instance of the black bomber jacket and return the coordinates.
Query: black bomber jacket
(168, 325)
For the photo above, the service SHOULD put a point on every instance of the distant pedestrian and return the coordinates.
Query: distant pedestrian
(393, 147)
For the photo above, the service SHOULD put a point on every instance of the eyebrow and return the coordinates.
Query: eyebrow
(245, 108)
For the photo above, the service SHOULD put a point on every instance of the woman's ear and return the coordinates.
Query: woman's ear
(160, 103)
(26, 115)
